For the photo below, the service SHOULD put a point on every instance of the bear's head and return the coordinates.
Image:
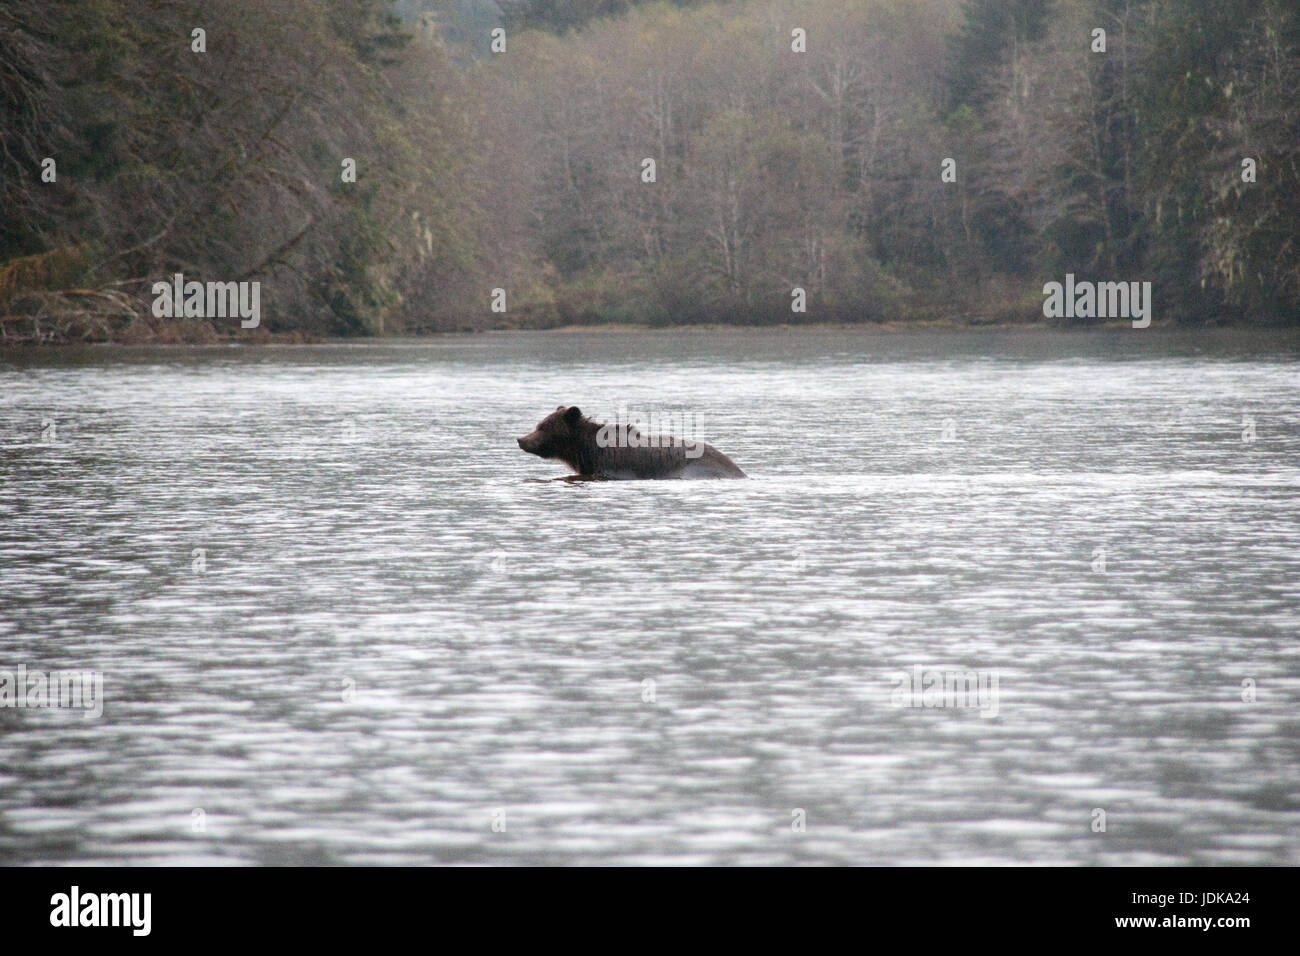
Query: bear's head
(558, 435)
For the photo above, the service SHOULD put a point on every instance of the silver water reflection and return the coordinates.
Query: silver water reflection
(341, 618)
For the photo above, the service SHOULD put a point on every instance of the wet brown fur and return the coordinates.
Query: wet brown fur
(569, 436)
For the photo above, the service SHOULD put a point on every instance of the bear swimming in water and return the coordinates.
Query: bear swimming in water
(608, 451)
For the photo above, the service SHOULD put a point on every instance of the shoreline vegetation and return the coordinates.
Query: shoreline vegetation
(384, 171)
(198, 336)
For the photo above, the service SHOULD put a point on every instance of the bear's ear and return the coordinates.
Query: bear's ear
(573, 415)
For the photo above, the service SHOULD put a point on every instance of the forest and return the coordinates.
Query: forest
(388, 168)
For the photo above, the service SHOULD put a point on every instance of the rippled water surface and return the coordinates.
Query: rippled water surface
(340, 613)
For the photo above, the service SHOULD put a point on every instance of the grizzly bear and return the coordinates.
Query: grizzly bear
(605, 451)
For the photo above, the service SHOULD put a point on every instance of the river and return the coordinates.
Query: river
(340, 618)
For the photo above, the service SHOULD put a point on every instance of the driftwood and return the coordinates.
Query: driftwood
(42, 317)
